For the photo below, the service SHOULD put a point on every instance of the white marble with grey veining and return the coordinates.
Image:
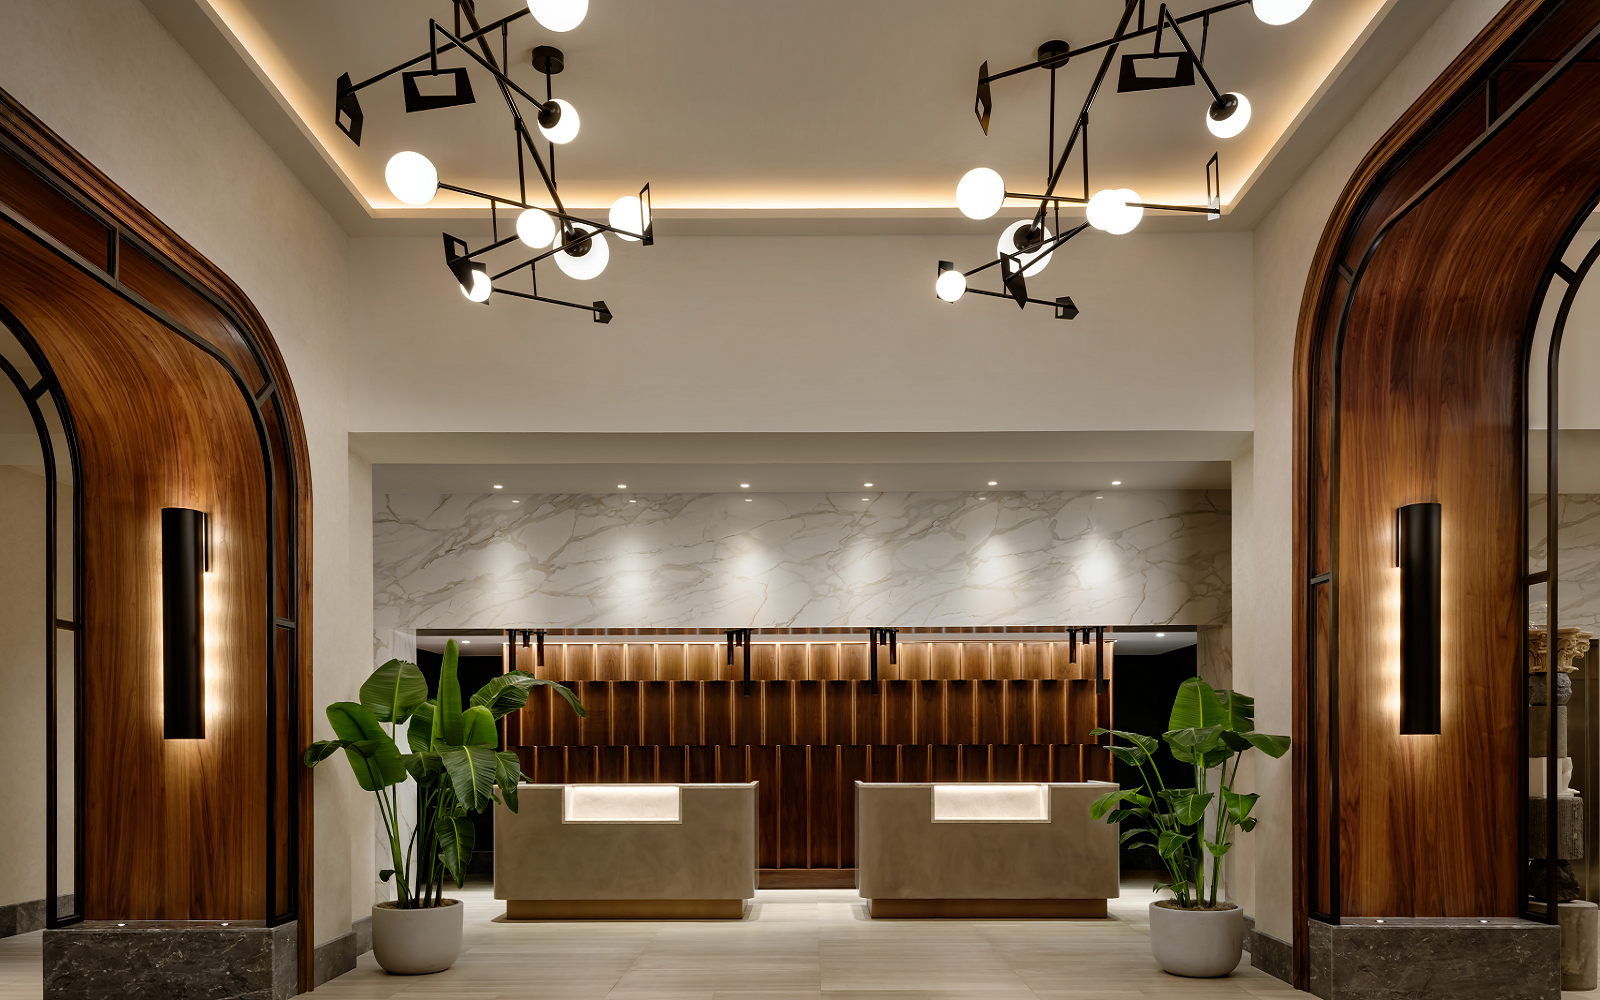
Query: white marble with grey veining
(801, 560)
(1578, 558)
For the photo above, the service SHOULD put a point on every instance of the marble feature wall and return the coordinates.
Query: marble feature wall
(1578, 558)
(801, 560)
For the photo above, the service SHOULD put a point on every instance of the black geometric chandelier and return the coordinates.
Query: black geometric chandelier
(578, 245)
(1026, 246)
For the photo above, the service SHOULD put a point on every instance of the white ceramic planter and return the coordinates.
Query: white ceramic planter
(1198, 943)
(416, 942)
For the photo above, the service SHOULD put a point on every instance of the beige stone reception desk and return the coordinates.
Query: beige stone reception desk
(574, 852)
(984, 850)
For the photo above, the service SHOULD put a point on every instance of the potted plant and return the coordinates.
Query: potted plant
(455, 758)
(1192, 934)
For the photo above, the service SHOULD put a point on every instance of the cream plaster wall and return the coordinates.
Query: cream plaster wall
(22, 715)
(114, 84)
(1284, 244)
(809, 334)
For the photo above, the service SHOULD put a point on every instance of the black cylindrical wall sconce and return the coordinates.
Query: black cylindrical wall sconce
(1417, 555)
(184, 560)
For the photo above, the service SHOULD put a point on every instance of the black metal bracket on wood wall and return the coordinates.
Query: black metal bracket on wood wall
(880, 637)
(527, 635)
(740, 637)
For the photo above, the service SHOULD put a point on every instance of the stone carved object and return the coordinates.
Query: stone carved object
(1538, 684)
(1580, 940)
(1567, 888)
(1569, 825)
(1571, 644)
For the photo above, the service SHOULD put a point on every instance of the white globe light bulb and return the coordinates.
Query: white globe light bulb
(627, 213)
(536, 228)
(590, 264)
(1110, 212)
(566, 129)
(411, 178)
(950, 286)
(481, 287)
(1032, 263)
(980, 193)
(559, 15)
(1232, 125)
(1279, 11)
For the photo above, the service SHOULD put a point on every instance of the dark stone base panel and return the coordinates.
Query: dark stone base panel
(336, 957)
(170, 960)
(1271, 955)
(1435, 958)
(22, 918)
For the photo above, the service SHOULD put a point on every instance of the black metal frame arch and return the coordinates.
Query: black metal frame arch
(31, 395)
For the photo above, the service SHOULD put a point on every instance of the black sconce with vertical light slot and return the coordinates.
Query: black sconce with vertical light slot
(1417, 553)
(185, 558)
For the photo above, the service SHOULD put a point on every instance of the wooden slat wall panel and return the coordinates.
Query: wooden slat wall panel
(977, 661)
(852, 661)
(792, 665)
(809, 739)
(989, 711)
(824, 661)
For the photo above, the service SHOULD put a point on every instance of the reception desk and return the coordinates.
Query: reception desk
(984, 850)
(575, 852)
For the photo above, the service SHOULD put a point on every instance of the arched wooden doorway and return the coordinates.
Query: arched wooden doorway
(1410, 374)
(179, 398)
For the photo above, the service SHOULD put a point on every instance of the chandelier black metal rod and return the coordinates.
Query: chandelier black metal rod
(432, 53)
(1081, 125)
(1114, 40)
(1048, 246)
(544, 298)
(507, 85)
(1008, 297)
(1167, 14)
(512, 202)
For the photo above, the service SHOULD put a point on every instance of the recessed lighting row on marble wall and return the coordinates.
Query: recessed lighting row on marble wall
(1026, 246)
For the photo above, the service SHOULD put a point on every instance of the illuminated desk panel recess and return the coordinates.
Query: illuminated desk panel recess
(984, 851)
(608, 852)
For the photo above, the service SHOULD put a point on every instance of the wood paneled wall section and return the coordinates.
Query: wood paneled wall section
(173, 829)
(811, 727)
(1430, 408)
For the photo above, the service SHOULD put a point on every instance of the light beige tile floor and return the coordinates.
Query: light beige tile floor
(793, 945)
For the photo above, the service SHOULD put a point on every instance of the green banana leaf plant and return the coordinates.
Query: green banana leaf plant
(1208, 730)
(453, 754)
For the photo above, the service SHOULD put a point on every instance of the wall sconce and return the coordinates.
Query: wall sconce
(185, 557)
(1417, 555)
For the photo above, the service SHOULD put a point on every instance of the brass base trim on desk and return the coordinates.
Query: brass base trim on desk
(625, 909)
(808, 878)
(986, 909)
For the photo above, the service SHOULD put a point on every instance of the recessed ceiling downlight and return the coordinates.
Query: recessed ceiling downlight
(411, 178)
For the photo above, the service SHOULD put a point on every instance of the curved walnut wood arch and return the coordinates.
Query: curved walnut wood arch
(179, 397)
(1409, 381)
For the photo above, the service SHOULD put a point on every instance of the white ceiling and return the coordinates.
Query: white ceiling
(844, 109)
